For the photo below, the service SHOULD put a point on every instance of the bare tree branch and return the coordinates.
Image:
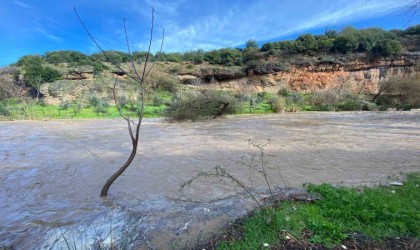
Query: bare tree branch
(160, 51)
(139, 78)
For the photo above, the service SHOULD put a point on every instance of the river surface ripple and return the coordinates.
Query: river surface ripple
(52, 172)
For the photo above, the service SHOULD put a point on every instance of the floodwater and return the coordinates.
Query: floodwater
(52, 173)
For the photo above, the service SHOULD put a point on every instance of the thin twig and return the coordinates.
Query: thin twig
(100, 47)
(160, 53)
(261, 148)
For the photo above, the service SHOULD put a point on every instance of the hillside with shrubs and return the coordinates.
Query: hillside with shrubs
(351, 69)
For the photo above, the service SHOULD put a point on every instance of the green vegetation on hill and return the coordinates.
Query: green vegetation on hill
(74, 81)
(35, 73)
(373, 41)
(185, 103)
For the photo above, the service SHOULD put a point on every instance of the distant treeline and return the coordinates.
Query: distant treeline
(373, 41)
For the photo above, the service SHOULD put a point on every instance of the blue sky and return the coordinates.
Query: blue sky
(38, 26)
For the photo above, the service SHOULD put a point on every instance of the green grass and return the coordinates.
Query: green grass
(156, 105)
(377, 213)
(37, 112)
(260, 108)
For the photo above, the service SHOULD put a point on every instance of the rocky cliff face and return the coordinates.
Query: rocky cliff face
(358, 75)
(361, 75)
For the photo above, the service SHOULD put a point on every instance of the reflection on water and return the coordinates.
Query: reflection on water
(52, 171)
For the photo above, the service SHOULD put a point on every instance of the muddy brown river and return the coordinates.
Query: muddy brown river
(52, 173)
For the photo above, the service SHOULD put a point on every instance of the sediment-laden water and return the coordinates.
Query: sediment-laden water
(52, 173)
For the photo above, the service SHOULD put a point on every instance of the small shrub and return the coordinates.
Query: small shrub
(4, 111)
(284, 92)
(264, 96)
(100, 105)
(64, 105)
(196, 105)
(277, 104)
(76, 106)
(369, 106)
(350, 106)
(334, 99)
(163, 81)
(157, 100)
(295, 99)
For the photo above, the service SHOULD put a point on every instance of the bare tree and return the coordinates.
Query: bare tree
(12, 86)
(138, 77)
(9, 86)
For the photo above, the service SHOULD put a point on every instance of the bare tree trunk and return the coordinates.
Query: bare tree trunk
(139, 77)
(104, 191)
(378, 94)
(222, 110)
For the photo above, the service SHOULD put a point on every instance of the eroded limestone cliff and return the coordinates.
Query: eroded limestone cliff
(360, 75)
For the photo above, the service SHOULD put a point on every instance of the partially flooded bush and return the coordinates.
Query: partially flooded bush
(277, 104)
(401, 93)
(294, 100)
(351, 105)
(194, 105)
(325, 100)
(336, 100)
(369, 106)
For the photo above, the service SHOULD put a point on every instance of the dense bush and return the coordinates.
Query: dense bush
(162, 81)
(277, 104)
(250, 53)
(327, 100)
(413, 30)
(387, 48)
(35, 73)
(402, 93)
(374, 41)
(346, 41)
(4, 111)
(350, 105)
(112, 56)
(65, 56)
(195, 56)
(306, 43)
(194, 105)
(226, 56)
(169, 57)
(100, 105)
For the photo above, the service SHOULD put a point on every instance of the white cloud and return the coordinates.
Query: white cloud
(264, 20)
(47, 34)
(24, 5)
(163, 9)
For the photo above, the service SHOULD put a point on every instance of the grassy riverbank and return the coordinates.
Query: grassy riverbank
(343, 218)
(158, 105)
(42, 112)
